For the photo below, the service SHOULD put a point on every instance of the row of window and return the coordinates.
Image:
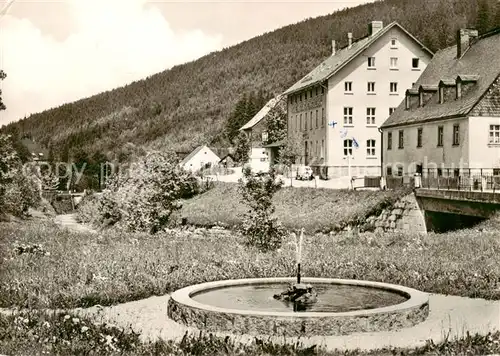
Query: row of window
(308, 94)
(370, 148)
(370, 87)
(415, 63)
(312, 149)
(370, 115)
(300, 122)
(348, 147)
(420, 132)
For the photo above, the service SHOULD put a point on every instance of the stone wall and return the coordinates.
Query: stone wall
(405, 215)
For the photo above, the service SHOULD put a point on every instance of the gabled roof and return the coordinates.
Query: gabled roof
(428, 87)
(448, 82)
(275, 144)
(263, 112)
(480, 64)
(194, 153)
(342, 57)
(229, 155)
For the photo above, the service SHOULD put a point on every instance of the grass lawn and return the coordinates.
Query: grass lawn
(80, 270)
(315, 210)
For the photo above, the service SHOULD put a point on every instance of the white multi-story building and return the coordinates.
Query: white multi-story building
(449, 124)
(337, 108)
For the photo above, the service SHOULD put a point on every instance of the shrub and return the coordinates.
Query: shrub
(144, 198)
(260, 228)
(19, 188)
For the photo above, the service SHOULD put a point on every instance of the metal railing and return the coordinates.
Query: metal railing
(481, 179)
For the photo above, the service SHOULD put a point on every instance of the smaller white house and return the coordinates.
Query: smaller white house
(259, 159)
(200, 158)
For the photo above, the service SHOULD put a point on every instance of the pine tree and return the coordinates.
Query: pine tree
(276, 124)
(2, 77)
(483, 16)
(496, 21)
(242, 152)
(236, 119)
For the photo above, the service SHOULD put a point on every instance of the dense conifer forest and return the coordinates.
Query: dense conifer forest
(191, 103)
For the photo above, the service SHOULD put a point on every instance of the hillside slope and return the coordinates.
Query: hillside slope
(188, 104)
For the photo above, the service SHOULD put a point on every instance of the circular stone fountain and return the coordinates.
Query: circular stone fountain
(343, 307)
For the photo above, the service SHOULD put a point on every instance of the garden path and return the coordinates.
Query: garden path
(68, 221)
(448, 315)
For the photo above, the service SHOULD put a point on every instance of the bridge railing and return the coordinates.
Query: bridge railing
(466, 179)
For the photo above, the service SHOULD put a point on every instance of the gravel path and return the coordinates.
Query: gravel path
(448, 315)
(68, 221)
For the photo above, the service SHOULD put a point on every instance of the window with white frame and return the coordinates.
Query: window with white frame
(305, 122)
(322, 148)
(371, 62)
(371, 87)
(348, 87)
(300, 121)
(391, 110)
(322, 117)
(317, 119)
(394, 43)
(494, 136)
(348, 113)
(394, 62)
(394, 87)
(347, 147)
(370, 148)
(311, 121)
(370, 116)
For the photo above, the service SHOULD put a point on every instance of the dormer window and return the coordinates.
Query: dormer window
(465, 79)
(459, 89)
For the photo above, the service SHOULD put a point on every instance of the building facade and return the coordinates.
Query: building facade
(262, 153)
(199, 158)
(449, 123)
(338, 107)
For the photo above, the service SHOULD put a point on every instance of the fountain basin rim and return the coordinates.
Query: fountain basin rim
(415, 297)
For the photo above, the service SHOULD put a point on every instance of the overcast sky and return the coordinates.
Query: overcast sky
(62, 50)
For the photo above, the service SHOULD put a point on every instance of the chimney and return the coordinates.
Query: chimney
(374, 27)
(465, 38)
(349, 37)
(334, 45)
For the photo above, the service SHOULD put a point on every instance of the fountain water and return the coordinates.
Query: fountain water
(301, 295)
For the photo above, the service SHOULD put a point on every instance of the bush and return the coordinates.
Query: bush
(145, 197)
(19, 188)
(260, 228)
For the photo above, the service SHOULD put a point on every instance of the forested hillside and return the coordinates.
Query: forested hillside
(190, 103)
